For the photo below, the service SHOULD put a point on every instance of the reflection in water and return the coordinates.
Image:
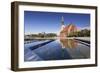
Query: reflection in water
(68, 43)
(56, 50)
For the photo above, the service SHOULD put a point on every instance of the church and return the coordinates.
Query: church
(65, 30)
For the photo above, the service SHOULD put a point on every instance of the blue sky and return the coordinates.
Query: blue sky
(37, 22)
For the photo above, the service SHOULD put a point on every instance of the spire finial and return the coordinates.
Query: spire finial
(62, 20)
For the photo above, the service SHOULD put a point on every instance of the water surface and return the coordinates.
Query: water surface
(56, 50)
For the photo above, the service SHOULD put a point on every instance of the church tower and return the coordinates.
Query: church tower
(62, 20)
(62, 23)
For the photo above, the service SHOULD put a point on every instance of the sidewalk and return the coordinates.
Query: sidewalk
(84, 40)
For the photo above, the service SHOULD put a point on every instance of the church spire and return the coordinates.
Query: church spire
(62, 20)
(62, 24)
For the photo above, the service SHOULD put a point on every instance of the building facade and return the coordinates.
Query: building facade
(67, 29)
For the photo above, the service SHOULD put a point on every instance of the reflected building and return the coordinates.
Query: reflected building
(65, 30)
(68, 43)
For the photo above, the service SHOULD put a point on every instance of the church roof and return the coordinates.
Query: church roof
(70, 26)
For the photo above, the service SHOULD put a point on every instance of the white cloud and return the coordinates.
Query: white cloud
(81, 28)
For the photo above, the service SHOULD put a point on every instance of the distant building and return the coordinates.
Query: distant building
(66, 30)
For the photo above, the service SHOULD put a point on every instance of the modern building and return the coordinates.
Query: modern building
(67, 29)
